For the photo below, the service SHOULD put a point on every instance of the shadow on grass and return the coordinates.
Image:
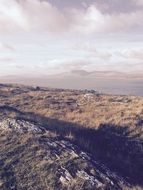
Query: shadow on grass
(115, 146)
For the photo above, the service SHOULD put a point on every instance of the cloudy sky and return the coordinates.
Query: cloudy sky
(46, 37)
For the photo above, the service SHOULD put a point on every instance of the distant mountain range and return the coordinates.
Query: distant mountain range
(105, 81)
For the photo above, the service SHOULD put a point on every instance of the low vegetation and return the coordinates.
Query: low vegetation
(109, 128)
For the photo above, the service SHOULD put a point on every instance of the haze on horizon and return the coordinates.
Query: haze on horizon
(83, 39)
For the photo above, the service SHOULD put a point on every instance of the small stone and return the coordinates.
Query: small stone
(1, 183)
(63, 180)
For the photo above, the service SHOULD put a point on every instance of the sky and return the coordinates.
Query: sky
(51, 37)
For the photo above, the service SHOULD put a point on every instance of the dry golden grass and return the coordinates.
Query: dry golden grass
(109, 127)
(75, 107)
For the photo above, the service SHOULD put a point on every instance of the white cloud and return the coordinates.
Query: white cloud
(68, 64)
(11, 16)
(25, 25)
(132, 54)
(41, 16)
(6, 59)
(91, 50)
(94, 21)
(138, 2)
(5, 46)
(29, 15)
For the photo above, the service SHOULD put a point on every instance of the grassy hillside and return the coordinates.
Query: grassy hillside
(108, 127)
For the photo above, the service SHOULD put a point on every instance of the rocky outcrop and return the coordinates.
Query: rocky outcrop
(71, 168)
